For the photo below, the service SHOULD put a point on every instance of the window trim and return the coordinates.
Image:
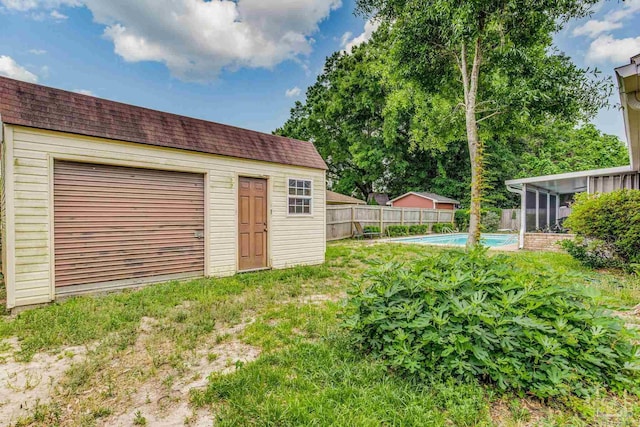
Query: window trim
(291, 196)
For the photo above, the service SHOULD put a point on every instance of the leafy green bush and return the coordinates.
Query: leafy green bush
(442, 228)
(593, 253)
(419, 229)
(471, 316)
(490, 221)
(398, 230)
(371, 229)
(608, 226)
(461, 218)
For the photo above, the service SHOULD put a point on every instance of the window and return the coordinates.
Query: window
(299, 197)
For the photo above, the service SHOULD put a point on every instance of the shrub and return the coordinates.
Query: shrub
(419, 229)
(371, 229)
(608, 225)
(593, 253)
(471, 316)
(461, 218)
(398, 230)
(490, 221)
(442, 228)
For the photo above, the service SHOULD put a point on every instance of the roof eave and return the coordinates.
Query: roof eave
(570, 175)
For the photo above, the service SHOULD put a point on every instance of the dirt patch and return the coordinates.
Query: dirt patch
(631, 317)
(319, 298)
(162, 404)
(24, 385)
(519, 412)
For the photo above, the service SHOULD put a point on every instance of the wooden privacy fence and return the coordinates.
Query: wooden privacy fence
(340, 219)
(510, 219)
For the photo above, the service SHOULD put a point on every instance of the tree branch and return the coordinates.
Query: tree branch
(495, 113)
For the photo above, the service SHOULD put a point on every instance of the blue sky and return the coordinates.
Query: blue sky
(243, 63)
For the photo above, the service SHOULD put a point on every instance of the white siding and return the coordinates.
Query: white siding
(293, 240)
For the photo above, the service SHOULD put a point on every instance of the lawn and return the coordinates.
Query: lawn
(262, 349)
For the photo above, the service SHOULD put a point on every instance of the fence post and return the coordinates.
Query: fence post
(421, 211)
(381, 219)
(402, 217)
(353, 218)
(437, 216)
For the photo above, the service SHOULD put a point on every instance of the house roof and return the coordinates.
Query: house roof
(629, 86)
(431, 196)
(337, 198)
(42, 107)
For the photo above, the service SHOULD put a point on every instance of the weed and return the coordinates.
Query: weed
(139, 419)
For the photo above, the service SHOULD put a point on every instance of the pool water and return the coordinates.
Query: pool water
(459, 239)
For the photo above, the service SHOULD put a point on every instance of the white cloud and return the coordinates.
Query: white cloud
(84, 92)
(346, 37)
(10, 68)
(37, 51)
(594, 27)
(612, 20)
(293, 92)
(58, 16)
(196, 39)
(606, 48)
(348, 43)
(25, 5)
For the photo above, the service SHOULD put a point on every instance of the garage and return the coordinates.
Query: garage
(114, 223)
(99, 195)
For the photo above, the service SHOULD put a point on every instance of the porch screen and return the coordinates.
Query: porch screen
(530, 201)
(542, 210)
(552, 211)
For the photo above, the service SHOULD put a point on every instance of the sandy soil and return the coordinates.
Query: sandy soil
(24, 385)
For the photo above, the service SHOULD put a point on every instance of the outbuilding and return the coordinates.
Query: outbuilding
(338, 199)
(424, 200)
(99, 195)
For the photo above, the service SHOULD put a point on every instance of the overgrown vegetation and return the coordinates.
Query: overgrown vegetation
(472, 316)
(416, 229)
(442, 228)
(419, 228)
(607, 228)
(397, 230)
(490, 219)
(307, 373)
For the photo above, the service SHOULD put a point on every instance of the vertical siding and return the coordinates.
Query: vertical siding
(294, 240)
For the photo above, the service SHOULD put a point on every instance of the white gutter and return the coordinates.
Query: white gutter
(523, 212)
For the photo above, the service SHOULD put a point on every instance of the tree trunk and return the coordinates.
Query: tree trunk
(470, 82)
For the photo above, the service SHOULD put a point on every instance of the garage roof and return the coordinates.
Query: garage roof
(42, 107)
(426, 195)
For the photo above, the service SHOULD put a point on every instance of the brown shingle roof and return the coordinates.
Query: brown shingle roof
(42, 107)
(337, 198)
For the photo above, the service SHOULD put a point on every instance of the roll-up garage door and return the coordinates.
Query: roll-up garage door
(113, 224)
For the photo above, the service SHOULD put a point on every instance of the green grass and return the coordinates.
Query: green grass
(81, 320)
(307, 373)
(327, 384)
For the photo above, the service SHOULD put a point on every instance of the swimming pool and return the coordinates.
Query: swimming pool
(460, 239)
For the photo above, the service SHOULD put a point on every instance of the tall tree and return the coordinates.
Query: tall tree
(558, 147)
(486, 59)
